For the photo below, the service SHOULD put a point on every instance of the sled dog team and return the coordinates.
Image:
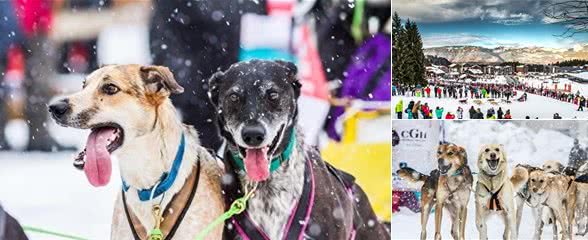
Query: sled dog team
(173, 188)
(560, 192)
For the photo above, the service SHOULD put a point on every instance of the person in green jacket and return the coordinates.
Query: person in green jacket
(398, 109)
(439, 112)
(484, 93)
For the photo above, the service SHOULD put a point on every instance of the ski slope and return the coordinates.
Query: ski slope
(535, 106)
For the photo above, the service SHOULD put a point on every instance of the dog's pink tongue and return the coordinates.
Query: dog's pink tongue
(98, 166)
(256, 164)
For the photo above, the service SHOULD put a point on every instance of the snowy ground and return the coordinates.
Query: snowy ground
(549, 83)
(45, 190)
(531, 142)
(406, 225)
(535, 106)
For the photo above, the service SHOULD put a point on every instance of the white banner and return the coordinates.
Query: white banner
(418, 144)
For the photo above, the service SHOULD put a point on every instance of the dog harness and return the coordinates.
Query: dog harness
(494, 203)
(171, 217)
(276, 162)
(167, 178)
(458, 172)
(244, 227)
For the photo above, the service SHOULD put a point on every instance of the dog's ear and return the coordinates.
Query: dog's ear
(480, 153)
(292, 72)
(463, 153)
(503, 152)
(159, 78)
(213, 87)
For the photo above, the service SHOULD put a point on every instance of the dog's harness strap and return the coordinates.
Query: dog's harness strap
(300, 217)
(276, 162)
(167, 178)
(245, 228)
(172, 220)
(458, 172)
(494, 203)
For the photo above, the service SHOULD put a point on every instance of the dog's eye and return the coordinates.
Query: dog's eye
(487, 149)
(234, 97)
(532, 180)
(498, 150)
(110, 89)
(273, 95)
(541, 181)
(450, 153)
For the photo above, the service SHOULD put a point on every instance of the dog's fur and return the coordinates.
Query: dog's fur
(553, 167)
(581, 195)
(449, 187)
(493, 178)
(581, 213)
(152, 132)
(541, 213)
(558, 192)
(243, 96)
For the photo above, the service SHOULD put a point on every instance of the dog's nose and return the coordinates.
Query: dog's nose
(493, 155)
(253, 135)
(59, 108)
(535, 189)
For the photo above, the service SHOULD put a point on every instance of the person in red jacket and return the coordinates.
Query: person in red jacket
(507, 115)
(35, 19)
(426, 110)
(439, 92)
(428, 91)
(449, 116)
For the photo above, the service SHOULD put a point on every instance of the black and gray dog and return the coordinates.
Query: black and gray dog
(298, 194)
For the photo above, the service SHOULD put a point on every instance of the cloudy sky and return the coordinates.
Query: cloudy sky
(486, 23)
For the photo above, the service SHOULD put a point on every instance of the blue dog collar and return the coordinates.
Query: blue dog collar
(167, 178)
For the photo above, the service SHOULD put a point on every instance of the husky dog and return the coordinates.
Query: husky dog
(447, 187)
(495, 190)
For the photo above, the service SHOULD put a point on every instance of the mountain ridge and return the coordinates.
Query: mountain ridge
(529, 55)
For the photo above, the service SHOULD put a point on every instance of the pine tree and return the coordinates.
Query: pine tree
(410, 56)
(408, 59)
(419, 68)
(396, 31)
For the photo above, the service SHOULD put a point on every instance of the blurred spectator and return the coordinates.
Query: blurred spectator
(11, 35)
(196, 39)
(35, 19)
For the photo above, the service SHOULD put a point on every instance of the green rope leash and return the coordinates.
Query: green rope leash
(358, 15)
(52, 233)
(237, 207)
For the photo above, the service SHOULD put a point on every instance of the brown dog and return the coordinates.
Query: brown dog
(130, 116)
(449, 186)
(558, 192)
